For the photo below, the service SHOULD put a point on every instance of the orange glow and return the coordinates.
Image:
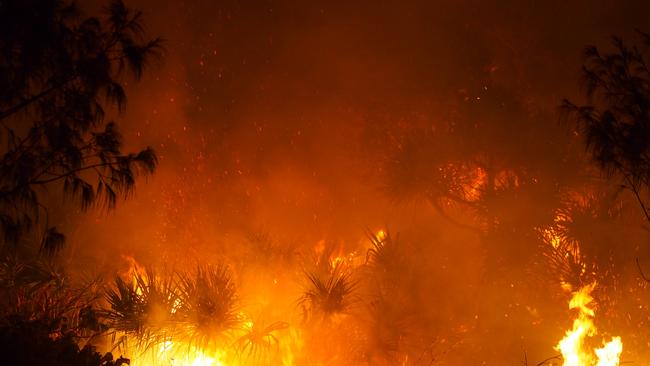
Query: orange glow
(284, 350)
(381, 234)
(252, 342)
(474, 188)
(370, 183)
(574, 346)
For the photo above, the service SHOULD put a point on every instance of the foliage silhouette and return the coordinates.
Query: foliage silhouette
(142, 307)
(46, 320)
(38, 290)
(60, 72)
(615, 122)
(199, 309)
(37, 342)
(328, 295)
(472, 164)
(209, 305)
(384, 254)
(258, 339)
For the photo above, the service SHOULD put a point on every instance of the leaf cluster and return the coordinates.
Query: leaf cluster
(37, 342)
(328, 294)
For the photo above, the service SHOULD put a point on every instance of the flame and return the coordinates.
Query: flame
(350, 259)
(286, 352)
(573, 346)
(133, 271)
(171, 353)
(291, 347)
(180, 354)
(473, 189)
(551, 237)
(610, 353)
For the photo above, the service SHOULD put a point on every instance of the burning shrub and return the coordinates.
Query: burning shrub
(327, 295)
(208, 304)
(197, 309)
(144, 307)
(385, 257)
(37, 290)
(258, 339)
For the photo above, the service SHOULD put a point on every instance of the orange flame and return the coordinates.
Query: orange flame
(573, 348)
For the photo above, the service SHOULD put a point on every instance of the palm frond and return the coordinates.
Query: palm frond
(328, 295)
(144, 307)
(208, 307)
(258, 340)
(384, 252)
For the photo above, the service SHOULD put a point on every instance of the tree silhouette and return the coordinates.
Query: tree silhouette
(38, 342)
(484, 165)
(59, 73)
(479, 165)
(615, 122)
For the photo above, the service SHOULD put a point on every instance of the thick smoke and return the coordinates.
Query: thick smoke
(285, 129)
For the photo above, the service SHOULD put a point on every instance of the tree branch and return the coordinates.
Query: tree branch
(638, 197)
(26, 102)
(446, 216)
(71, 172)
(638, 266)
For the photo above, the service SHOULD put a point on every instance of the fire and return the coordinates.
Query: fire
(574, 346)
(248, 341)
(189, 357)
(476, 184)
(343, 259)
(610, 353)
(173, 354)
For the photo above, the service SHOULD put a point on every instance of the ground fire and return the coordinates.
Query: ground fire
(575, 346)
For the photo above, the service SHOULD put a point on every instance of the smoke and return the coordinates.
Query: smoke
(276, 124)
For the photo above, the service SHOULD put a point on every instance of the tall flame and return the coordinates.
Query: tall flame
(573, 346)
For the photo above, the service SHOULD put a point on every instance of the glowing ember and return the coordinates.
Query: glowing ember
(573, 346)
